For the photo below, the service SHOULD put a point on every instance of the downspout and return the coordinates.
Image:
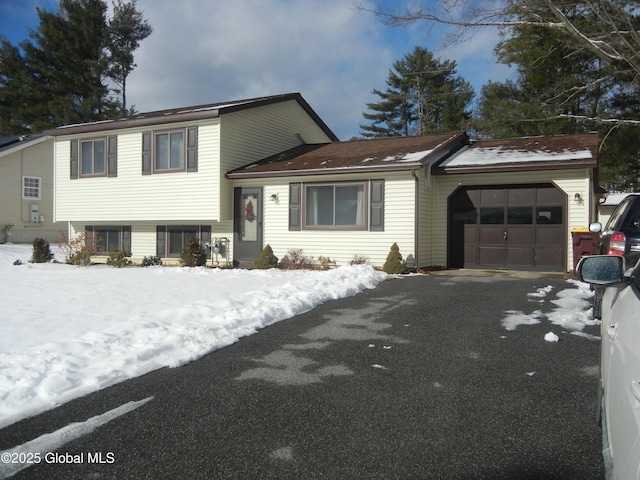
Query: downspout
(416, 223)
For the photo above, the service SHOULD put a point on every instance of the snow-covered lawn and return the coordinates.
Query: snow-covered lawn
(66, 331)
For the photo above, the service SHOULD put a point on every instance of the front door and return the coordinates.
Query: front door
(247, 223)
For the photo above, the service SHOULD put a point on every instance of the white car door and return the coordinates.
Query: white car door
(621, 377)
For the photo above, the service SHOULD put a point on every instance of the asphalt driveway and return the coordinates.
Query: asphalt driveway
(415, 379)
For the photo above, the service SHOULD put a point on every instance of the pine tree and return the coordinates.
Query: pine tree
(12, 81)
(64, 72)
(127, 28)
(67, 63)
(424, 95)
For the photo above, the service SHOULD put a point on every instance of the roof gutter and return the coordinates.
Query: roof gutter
(327, 171)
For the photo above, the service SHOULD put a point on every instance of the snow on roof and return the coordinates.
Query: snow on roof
(614, 199)
(470, 156)
(406, 157)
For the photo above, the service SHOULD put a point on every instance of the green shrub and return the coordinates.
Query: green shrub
(193, 255)
(394, 263)
(41, 251)
(118, 259)
(151, 261)
(266, 259)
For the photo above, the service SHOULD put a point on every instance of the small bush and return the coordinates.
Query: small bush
(193, 255)
(359, 260)
(394, 263)
(266, 259)
(79, 250)
(297, 260)
(151, 261)
(41, 251)
(326, 263)
(118, 259)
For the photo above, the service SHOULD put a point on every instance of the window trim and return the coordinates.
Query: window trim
(366, 205)
(38, 188)
(123, 243)
(92, 140)
(163, 232)
(154, 149)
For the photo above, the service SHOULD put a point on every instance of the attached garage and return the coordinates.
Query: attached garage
(512, 203)
(517, 227)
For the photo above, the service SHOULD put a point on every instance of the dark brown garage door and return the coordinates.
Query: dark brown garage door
(515, 228)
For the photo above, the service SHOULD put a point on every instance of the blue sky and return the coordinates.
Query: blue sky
(206, 51)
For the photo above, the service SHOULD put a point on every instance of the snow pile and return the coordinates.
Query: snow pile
(551, 337)
(66, 331)
(572, 313)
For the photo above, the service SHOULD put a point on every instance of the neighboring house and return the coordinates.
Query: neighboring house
(269, 171)
(26, 190)
(147, 183)
(446, 201)
(607, 205)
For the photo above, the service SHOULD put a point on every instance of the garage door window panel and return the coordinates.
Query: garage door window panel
(520, 215)
(549, 215)
(492, 215)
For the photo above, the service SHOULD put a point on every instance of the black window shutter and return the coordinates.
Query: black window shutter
(112, 156)
(192, 149)
(126, 239)
(161, 241)
(74, 159)
(205, 234)
(376, 223)
(146, 153)
(295, 205)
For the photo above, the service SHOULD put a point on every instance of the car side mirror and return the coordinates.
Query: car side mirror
(595, 227)
(601, 269)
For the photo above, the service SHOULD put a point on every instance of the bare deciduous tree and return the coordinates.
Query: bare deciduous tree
(606, 28)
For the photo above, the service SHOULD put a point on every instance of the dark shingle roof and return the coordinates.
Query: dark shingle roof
(184, 114)
(397, 153)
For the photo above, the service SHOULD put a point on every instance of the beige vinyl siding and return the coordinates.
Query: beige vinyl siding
(143, 235)
(131, 196)
(569, 181)
(425, 220)
(31, 161)
(341, 246)
(251, 135)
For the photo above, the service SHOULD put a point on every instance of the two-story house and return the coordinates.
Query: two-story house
(146, 184)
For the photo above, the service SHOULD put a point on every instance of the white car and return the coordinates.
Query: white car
(619, 361)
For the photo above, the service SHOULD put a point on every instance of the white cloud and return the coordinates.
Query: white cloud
(203, 51)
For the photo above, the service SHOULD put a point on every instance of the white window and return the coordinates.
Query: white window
(92, 158)
(169, 151)
(31, 188)
(335, 206)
